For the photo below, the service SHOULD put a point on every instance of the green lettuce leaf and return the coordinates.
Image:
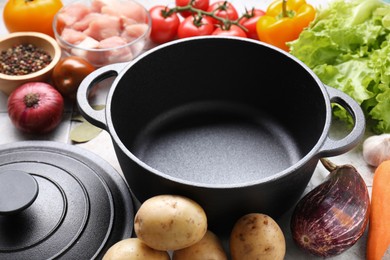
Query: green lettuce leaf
(348, 47)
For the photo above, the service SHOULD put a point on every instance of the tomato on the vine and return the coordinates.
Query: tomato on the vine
(31, 15)
(249, 20)
(198, 4)
(164, 24)
(224, 10)
(195, 26)
(233, 30)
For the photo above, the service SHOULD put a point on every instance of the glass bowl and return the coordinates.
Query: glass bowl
(102, 32)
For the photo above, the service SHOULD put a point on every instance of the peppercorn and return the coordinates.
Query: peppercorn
(23, 59)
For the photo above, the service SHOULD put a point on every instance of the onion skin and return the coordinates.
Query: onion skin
(333, 216)
(35, 107)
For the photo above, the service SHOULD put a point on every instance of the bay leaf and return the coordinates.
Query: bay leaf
(84, 132)
(78, 117)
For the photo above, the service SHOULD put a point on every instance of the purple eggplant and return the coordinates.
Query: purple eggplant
(334, 215)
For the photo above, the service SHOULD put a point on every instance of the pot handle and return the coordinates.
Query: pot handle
(96, 117)
(335, 147)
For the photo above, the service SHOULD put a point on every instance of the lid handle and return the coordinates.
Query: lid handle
(18, 190)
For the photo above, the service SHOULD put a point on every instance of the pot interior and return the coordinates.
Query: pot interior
(200, 111)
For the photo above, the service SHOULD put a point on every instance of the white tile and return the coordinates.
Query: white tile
(3, 102)
(102, 144)
(11, 134)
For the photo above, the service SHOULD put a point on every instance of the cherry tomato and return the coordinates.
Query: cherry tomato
(223, 9)
(249, 20)
(198, 4)
(234, 30)
(164, 24)
(31, 15)
(195, 26)
(69, 73)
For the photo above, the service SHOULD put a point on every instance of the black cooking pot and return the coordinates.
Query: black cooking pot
(196, 117)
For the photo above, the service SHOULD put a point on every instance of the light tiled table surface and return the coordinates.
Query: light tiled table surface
(102, 144)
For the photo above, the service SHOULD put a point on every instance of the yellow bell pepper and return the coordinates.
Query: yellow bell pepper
(284, 21)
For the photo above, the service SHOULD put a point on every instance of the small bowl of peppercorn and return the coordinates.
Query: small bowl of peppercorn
(26, 57)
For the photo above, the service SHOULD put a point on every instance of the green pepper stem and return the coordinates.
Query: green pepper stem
(284, 8)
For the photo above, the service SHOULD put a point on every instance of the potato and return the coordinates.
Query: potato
(257, 236)
(170, 222)
(134, 249)
(209, 247)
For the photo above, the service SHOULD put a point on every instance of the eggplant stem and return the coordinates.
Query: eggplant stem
(328, 164)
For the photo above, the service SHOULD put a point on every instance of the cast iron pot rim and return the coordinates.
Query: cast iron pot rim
(290, 170)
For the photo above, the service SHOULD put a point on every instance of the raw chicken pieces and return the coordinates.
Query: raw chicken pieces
(107, 27)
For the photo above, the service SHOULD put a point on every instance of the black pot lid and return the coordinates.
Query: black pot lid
(59, 201)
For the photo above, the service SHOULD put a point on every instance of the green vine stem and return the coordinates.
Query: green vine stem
(226, 23)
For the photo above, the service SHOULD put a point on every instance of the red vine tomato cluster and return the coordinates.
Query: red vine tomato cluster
(190, 18)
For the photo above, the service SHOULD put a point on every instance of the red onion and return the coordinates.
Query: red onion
(35, 107)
